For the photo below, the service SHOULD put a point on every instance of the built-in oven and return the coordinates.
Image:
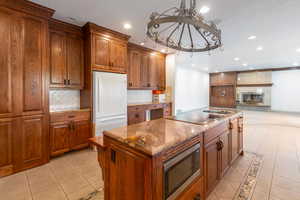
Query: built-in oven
(180, 171)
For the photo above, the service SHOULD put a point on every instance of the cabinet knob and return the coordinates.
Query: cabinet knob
(148, 85)
(137, 115)
(197, 197)
(65, 82)
(69, 82)
(130, 84)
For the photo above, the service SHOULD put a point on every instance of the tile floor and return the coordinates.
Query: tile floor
(276, 136)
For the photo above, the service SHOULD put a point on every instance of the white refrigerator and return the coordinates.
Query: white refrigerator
(110, 101)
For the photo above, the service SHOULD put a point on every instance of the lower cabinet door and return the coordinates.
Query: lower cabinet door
(136, 117)
(212, 165)
(225, 153)
(6, 145)
(32, 139)
(59, 138)
(81, 132)
(125, 176)
(234, 140)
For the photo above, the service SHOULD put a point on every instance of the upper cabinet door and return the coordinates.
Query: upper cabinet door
(57, 59)
(144, 77)
(162, 72)
(118, 56)
(9, 52)
(154, 72)
(134, 68)
(75, 62)
(34, 65)
(100, 52)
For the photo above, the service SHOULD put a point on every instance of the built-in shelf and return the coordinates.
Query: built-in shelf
(256, 85)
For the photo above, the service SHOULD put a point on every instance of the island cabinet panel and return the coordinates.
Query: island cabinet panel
(212, 165)
(225, 152)
(125, 169)
(241, 135)
(235, 151)
(66, 56)
(6, 147)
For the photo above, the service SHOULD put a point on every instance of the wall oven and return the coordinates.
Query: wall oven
(180, 171)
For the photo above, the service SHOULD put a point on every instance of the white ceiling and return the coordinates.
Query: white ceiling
(274, 22)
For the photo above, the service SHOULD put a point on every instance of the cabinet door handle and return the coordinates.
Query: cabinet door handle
(69, 82)
(148, 85)
(197, 197)
(113, 156)
(65, 82)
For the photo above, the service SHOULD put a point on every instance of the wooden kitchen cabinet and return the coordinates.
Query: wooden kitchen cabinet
(80, 135)
(225, 152)
(146, 68)
(66, 56)
(6, 146)
(136, 117)
(134, 69)
(128, 169)
(212, 164)
(69, 130)
(59, 138)
(106, 50)
(221, 79)
(32, 140)
(234, 131)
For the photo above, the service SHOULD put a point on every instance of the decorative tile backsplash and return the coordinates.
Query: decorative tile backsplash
(61, 100)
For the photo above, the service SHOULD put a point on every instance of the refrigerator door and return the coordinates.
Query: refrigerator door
(110, 101)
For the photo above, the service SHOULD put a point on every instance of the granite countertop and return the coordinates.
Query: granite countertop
(155, 136)
(146, 103)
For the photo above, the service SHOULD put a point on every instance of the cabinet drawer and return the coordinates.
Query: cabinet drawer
(155, 106)
(193, 191)
(69, 116)
(136, 117)
(136, 108)
(215, 132)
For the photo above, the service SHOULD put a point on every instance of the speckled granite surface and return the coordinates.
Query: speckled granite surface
(155, 136)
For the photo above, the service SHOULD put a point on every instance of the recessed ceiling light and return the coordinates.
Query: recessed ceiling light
(236, 59)
(163, 50)
(206, 68)
(142, 43)
(127, 26)
(296, 64)
(153, 54)
(259, 48)
(204, 9)
(245, 64)
(298, 50)
(252, 37)
(193, 65)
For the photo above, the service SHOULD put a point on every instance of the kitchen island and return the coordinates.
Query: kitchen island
(182, 157)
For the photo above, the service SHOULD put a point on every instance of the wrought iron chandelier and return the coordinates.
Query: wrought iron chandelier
(184, 29)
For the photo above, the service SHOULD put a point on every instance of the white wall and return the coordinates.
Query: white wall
(286, 91)
(191, 89)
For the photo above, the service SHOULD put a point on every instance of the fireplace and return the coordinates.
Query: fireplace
(252, 98)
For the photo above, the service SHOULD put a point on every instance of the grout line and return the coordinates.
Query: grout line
(274, 166)
(28, 185)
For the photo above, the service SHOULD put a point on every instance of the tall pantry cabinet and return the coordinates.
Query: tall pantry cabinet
(24, 111)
